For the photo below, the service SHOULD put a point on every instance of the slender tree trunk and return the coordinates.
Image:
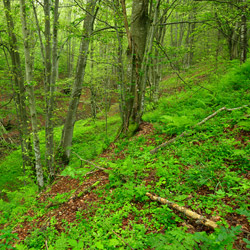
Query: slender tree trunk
(51, 59)
(120, 67)
(50, 147)
(190, 38)
(19, 88)
(243, 34)
(92, 85)
(39, 33)
(67, 133)
(47, 82)
(30, 90)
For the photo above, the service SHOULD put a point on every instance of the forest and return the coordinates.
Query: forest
(125, 124)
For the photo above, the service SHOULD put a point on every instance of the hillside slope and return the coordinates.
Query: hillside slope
(102, 204)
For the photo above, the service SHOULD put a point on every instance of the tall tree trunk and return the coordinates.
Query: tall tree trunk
(120, 62)
(30, 90)
(243, 34)
(19, 87)
(50, 80)
(139, 32)
(144, 65)
(137, 37)
(67, 133)
(93, 91)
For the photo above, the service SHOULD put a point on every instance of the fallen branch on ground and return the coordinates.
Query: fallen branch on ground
(198, 124)
(90, 162)
(199, 218)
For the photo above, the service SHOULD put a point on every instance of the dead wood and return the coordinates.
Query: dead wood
(193, 215)
(198, 124)
(90, 162)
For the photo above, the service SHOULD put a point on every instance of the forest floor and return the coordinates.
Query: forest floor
(87, 204)
(102, 203)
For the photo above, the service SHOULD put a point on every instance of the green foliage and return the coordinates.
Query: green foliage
(203, 171)
(8, 237)
(222, 238)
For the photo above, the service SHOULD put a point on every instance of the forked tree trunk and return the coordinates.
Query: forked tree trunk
(30, 90)
(140, 41)
(67, 133)
(143, 77)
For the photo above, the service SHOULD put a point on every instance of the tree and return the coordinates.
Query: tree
(50, 79)
(67, 133)
(19, 87)
(30, 90)
(140, 42)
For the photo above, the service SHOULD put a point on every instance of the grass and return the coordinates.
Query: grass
(206, 171)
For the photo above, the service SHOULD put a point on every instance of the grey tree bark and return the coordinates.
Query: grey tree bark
(51, 59)
(93, 91)
(19, 87)
(140, 41)
(30, 90)
(145, 63)
(67, 133)
(243, 33)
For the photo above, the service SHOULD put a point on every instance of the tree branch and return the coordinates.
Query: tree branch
(198, 124)
(90, 162)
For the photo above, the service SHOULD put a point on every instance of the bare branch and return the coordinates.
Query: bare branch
(90, 162)
(198, 124)
(8, 101)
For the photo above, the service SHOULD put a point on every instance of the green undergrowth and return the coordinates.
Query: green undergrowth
(206, 171)
(90, 139)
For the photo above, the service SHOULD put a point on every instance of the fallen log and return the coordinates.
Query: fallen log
(193, 215)
(198, 124)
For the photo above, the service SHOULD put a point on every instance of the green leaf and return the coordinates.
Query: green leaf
(99, 245)
(114, 242)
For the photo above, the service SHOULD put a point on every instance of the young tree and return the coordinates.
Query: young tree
(30, 90)
(51, 59)
(19, 87)
(67, 133)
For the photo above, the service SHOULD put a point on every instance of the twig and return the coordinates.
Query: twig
(122, 239)
(193, 215)
(98, 167)
(8, 101)
(46, 244)
(198, 124)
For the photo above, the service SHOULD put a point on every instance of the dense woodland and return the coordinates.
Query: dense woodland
(124, 124)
